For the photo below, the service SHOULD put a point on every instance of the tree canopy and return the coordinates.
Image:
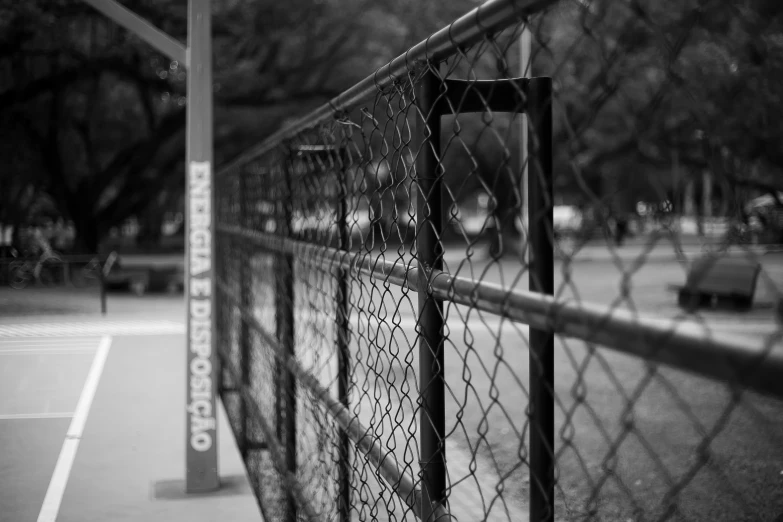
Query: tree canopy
(92, 118)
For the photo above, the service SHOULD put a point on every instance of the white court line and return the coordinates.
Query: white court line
(54, 343)
(95, 328)
(24, 416)
(46, 350)
(47, 341)
(54, 494)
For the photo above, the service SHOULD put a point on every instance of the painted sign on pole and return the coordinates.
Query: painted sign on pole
(202, 370)
(201, 385)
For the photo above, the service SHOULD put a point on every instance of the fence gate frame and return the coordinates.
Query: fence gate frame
(201, 466)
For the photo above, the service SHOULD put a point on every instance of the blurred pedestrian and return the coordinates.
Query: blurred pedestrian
(620, 229)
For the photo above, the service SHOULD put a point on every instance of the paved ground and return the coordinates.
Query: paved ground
(493, 352)
(92, 418)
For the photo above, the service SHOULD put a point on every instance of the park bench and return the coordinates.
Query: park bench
(715, 281)
(141, 278)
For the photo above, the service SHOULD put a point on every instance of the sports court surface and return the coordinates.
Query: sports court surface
(92, 425)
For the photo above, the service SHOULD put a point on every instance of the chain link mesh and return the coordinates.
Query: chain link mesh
(375, 314)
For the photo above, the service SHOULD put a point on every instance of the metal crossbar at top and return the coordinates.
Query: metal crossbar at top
(126, 18)
(201, 474)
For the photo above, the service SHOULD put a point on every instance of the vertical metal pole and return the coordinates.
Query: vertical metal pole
(676, 203)
(102, 282)
(430, 255)
(245, 291)
(525, 71)
(542, 363)
(706, 194)
(343, 336)
(202, 370)
(286, 383)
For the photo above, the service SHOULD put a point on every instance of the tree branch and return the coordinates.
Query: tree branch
(133, 159)
(64, 78)
(252, 100)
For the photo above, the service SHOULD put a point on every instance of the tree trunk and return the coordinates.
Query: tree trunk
(87, 234)
(698, 207)
(151, 225)
(16, 235)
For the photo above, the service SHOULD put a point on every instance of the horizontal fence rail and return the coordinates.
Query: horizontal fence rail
(683, 345)
(462, 290)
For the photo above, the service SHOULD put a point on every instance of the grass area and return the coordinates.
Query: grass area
(627, 433)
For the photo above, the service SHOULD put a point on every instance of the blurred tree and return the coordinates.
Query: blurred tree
(641, 82)
(649, 95)
(98, 117)
(103, 114)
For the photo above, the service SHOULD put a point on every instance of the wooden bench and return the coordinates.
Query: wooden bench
(141, 278)
(714, 281)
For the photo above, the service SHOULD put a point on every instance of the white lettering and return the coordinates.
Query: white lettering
(199, 264)
(199, 220)
(201, 441)
(201, 407)
(200, 237)
(198, 384)
(201, 424)
(204, 394)
(200, 205)
(200, 308)
(202, 349)
(200, 366)
(201, 287)
(199, 177)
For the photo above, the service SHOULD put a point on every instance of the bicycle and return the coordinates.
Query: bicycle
(87, 273)
(92, 270)
(22, 272)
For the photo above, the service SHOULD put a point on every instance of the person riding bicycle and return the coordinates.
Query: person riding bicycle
(43, 249)
(42, 246)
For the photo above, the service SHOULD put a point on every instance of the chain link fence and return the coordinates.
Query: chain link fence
(446, 293)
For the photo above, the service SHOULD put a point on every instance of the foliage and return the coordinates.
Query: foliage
(644, 84)
(649, 95)
(102, 114)
(93, 118)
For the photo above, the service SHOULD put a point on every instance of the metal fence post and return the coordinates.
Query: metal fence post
(430, 256)
(285, 388)
(245, 291)
(203, 374)
(102, 283)
(541, 365)
(343, 337)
